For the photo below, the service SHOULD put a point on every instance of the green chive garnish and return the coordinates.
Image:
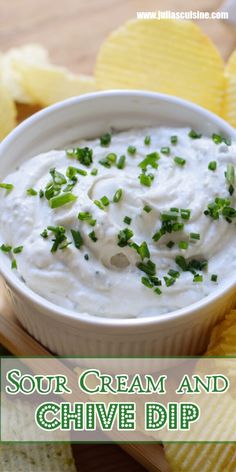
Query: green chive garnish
(44, 234)
(150, 160)
(6, 248)
(31, 192)
(165, 150)
(105, 139)
(98, 204)
(157, 291)
(194, 236)
(194, 135)
(145, 281)
(185, 213)
(105, 201)
(83, 155)
(212, 165)
(121, 162)
(147, 140)
(183, 245)
(17, 249)
(230, 177)
(131, 150)
(170, 244)
(14, 264)
(173, 273)
(62, 199)
(148, 267)
(109, 160)
(84, 215)
(217, 138)
(214, 278)
(147, 208)
(77, 238)
(174, 139)
(143, 250)
(124, 236)
(145, 180)
(197, 278)
(117, 195)
(127, 220)
(8, 187)
(93, 236)
(180, 161)
(94, 171)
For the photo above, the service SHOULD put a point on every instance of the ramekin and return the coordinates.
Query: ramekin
(67, 333)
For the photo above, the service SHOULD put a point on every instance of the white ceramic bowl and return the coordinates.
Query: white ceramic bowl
(185, 331)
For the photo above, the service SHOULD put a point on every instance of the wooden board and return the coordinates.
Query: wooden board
(73, 31)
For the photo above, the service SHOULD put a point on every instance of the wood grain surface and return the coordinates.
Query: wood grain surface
(72, 31)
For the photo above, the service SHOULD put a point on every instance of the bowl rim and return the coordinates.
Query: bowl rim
(88, 320)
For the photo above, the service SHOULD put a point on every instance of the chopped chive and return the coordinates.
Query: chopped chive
(17, 249)
(60, 200)
(99, 204)
(5, 248)
(173, 273)
(124, 237)
(117, 195)
(170, 216)
(143, 250)
(72, 171)
(148, 267)
(181, 262)
(183, 245)
(131, 150)
(169, 281)
(180, 161)
(57, 177)
(230, 177)
(174, 139)
(31, 192)
(77, 238)
(93, 236)
(109, 160)
(185, 213)
(105, 201)
(147, 208)
(127, 220)
(214, 278)
(155, 280)
(83, 155)
(145, 180)
(150, 160)
(94, 171)
(44, 234)
(6, 186)
(157, 291)
(84, 215)
(147, 140)
(170, 244)
(14, 264)
(41, 193)
(121, 162)
(194, 236)
(217, 138)
(86, 256)
(194, 135)
(105, 139)
(174, 209)
(212, 165)
(165, 150)
(92, 222)
(145, 281)
(197, 278)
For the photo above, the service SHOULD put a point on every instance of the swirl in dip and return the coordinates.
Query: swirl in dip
(135, 224)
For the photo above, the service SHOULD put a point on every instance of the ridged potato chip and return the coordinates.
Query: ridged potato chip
(12, 77)
(7, 111)
(197, 457)
(229, 104)
(49, 84)
(168, 56)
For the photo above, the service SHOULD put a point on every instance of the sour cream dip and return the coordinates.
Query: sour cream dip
(132, 224)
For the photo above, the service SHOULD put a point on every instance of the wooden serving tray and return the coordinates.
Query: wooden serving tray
(16, 340)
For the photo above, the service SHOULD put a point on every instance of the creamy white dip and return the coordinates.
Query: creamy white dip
(102, 278)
